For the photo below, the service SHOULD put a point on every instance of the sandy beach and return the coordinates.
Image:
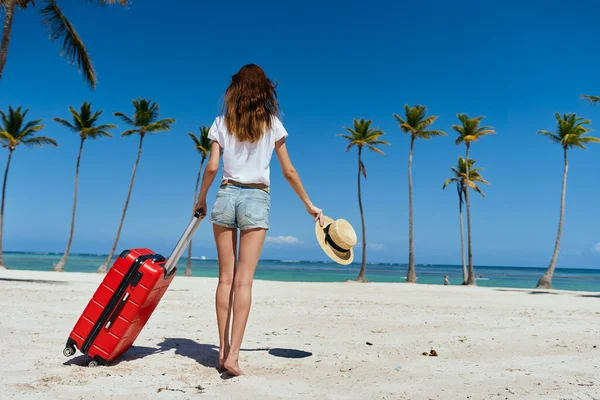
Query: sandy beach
(311, 340)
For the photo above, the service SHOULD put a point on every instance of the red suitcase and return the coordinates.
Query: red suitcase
(125, 300)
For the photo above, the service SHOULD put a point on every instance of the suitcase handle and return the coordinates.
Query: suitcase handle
(184, 241)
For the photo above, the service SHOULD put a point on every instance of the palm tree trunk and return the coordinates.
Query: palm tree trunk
(9, 10)
(462, 235)
(188, 267)
(60, 265)
(411, 275)
(104, 267)
(471, 276)
(10, 152)
(545, 281)
(363, 267)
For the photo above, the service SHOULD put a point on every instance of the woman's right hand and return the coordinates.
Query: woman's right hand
(201, 206)
(316, 213)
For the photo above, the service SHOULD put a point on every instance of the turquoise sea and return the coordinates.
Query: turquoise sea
(306, 271)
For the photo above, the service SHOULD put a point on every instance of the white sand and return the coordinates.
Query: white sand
(308, 341)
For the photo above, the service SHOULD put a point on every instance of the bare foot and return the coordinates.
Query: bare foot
(231, 365)
(223, 353)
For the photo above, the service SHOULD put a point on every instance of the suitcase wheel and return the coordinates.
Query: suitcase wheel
(93, 363)
(69, 348)
(69, 351)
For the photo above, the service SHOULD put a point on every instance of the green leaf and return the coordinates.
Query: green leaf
(130, 132)
(124, 3)
(591, 99)
(73, 49)
(470, 129)
(124, 118)
(66, 124)
(361, 134)
(570, 131)
(40, 141)
(460, 175)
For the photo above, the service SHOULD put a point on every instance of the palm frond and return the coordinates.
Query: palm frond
(589, 139)
(570, 131)
(94, 118)
(124, 3)
(350, 138)
(65, 123)
(460, 175)
(194, 139)
(378, 142)
(429, 134)
(124, 118)
(591, 99)
(98, 133)
(25, 133)
(417, 123)
(478, 190)
(77, 117)
(73, 49)
(6, 139)
(449, 181)
(375, 149)
(40, 141)
(146, 112)
(361, 134)
(352, 131)
(130, 132)
(106, 126)
(31, 127)
(160, 126)
(470, 129)
(427, 121)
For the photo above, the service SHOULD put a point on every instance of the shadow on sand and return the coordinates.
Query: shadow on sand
(546, 292)
(34, 281)
(528, 292)
(204, 354)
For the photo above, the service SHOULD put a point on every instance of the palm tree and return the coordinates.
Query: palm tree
(84, 124)
(202, 143)
(460, 178)
(470, 131)
(363, 136)
(13, 132)
(58, 27)
(570, 133)
(144, 122)
(417, 125)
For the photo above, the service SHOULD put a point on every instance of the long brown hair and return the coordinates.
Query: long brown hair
(250, 104)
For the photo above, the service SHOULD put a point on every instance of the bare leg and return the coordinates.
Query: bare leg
(226, 240)
(251, 244)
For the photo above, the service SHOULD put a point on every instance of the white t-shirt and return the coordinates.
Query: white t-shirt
(246, 162)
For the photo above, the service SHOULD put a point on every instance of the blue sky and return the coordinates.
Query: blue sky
(514, 62)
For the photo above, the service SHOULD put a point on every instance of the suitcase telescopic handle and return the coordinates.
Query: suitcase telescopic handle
(184, 241)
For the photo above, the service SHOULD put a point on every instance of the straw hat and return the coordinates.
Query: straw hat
(336, 238)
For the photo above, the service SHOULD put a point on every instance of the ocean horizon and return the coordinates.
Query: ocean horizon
(576, 279)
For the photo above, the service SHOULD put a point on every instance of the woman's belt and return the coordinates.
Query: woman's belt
(260, 186)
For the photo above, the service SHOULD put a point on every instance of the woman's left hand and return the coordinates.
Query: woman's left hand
(200, 205)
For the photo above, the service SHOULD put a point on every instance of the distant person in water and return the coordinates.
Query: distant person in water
(446, 280)
(247, 133)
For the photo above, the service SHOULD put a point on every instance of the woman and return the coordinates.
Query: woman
(247, 133)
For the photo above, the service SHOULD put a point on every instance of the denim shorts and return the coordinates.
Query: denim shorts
(241, 207)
